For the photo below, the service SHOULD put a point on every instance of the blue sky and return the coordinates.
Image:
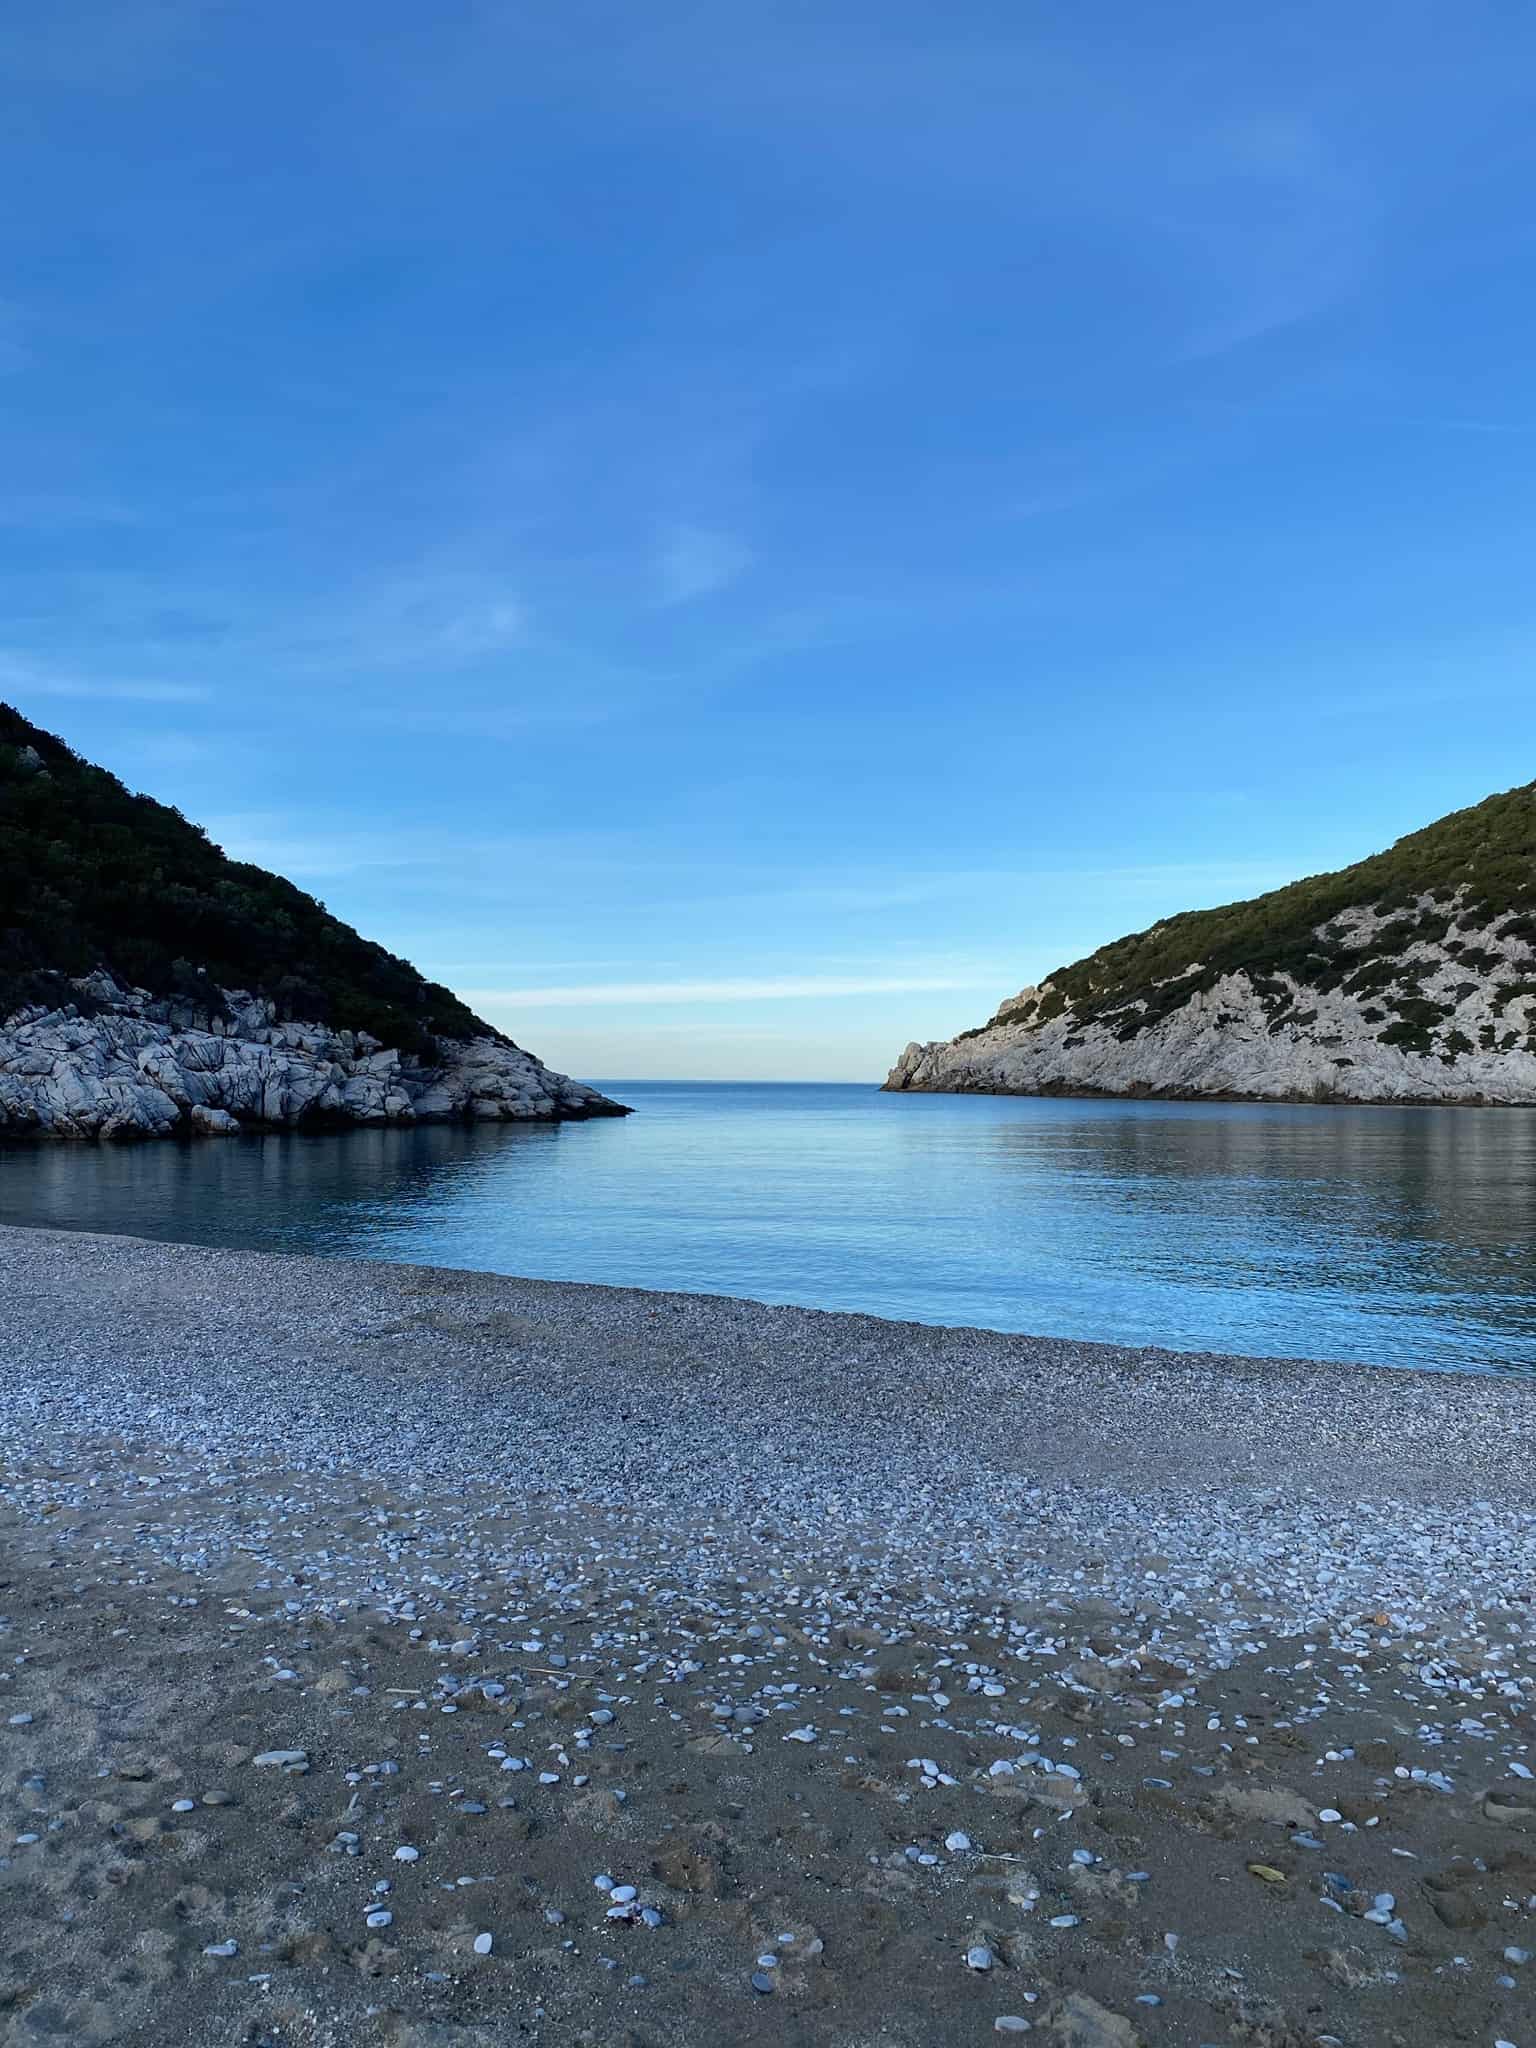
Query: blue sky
(738, 535)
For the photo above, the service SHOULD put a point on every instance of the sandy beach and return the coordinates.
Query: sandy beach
(406, 1656)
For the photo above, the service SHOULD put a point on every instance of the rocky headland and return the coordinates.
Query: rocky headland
(151, 987)
(1409, 977)
(118, 1063)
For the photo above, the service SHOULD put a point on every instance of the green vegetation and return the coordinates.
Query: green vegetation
(1477, 867)
(93, 876)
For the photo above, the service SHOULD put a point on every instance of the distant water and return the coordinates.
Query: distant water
(1395, 1237)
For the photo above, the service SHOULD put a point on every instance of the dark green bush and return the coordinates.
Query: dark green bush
(93, 876)
(1487, 852)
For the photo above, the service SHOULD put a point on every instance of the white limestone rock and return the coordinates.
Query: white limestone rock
(124, 1064)
(212, 1123)
(1285, 1041)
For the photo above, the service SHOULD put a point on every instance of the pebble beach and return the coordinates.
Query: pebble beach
(398, 1655)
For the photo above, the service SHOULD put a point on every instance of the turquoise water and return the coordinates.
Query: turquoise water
(1396, 1237)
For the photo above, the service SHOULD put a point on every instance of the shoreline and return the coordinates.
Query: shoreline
(191, 1136)
(1330, 1100)
(925, 1684)
(1213, 1407)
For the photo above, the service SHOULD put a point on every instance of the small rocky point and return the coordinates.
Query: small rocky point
(121, 1063)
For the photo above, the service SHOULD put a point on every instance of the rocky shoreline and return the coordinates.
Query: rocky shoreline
(122, 1064)
(917, 1072)
(1446, 1014)
(443, 1660)
(1239, 1043)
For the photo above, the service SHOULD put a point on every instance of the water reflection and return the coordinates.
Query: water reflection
(1396, 1237)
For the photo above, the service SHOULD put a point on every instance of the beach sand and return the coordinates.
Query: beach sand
(903, 1685)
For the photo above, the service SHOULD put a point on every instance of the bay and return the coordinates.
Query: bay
(1392, 1237)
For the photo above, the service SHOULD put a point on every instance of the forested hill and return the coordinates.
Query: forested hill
(92, 876)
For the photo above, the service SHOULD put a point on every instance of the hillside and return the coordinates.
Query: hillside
(1409, 976)
(149, 984)
(92, 876)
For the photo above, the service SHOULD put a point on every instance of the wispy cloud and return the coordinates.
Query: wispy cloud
(25, 679)
(1276, 227)
(443, 618)
(172, 750)
(696, 561)
(269, 840)
(485, 628)
(746, 989)
(119, 693)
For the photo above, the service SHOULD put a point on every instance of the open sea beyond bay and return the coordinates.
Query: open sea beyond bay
(1394, 1237)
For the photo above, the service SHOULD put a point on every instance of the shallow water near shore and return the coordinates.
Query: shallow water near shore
(1391, 1237)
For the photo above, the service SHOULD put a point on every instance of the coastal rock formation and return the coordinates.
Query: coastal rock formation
(120, 1064)
(1409, 977)
(149, 985)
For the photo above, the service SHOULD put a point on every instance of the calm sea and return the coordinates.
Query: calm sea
(1396, 1237)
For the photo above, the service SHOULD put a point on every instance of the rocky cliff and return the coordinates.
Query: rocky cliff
(1408, 977)
(149, 986)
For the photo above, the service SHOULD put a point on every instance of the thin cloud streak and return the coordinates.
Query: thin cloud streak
(588, 995)
(697, 561)
(24, 680)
